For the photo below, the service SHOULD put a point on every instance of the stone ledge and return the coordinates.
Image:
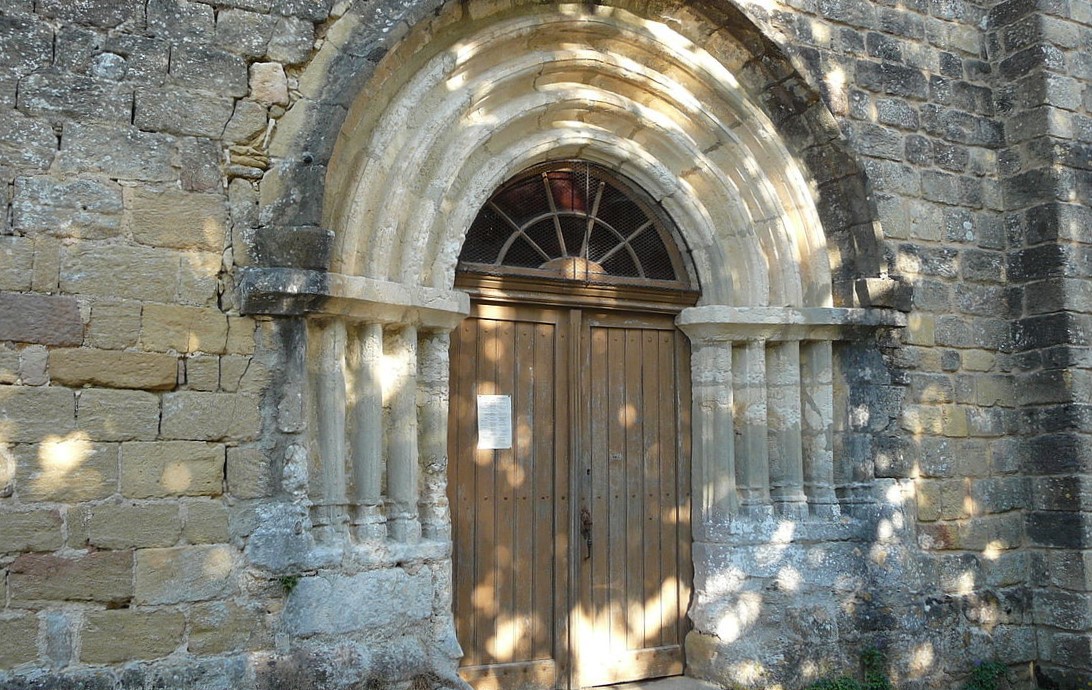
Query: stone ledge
(293, 292)
(723, 323)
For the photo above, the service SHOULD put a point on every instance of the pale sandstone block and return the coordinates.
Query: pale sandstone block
(33, 530)
(111, 637)
(198, 282)
(219, 627)
(116, 415)
(47, 264)
(202, 372)
(268, 83)
(205, 522)
(113, 369)
(201, 416)
(183, 329)
(104, 576)
(114, 325)
(249, 474)
(18, 639)
(171, 468)
(16, 263)
(177, 219)
(32, 365)
(133, 525)
(120, 271)
(241, 335)
(69, 469)
(185, 573)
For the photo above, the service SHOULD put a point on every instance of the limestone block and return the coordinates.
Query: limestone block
(133, 525)
(26, 142)
(18, 639)
(185, 573)
(268, 83)
(110, 637)
(66, 469)
(47, 264)
(179, 21)
(279, 540)
(57, 95)
(9, 363)
(114, 325)
(103, 576)
(199, 163)
(183, 329)
(395, 598)
(249, 473)
(220, 627)
(209, 69)
(93, 269)
(26, 45)
(45, 319)
(205, 522)
(243, 32)
(178, 219)
(184, 112)
(202, 372)
(32, 365)
(171, 468)
(16, 263)
(315, 10)
(100, 13)
(198, 282)
(113, 369)
(292, 41)
(210, 416)
(118, 152)
(115, 415)
(84, 207)
(33, 530)
(241, 335)
(32, 414)
(941, 499)
(248, 120)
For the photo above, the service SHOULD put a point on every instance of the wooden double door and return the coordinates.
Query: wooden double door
(572, 563)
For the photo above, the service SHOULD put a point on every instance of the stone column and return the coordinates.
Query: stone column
(330, 514)
(783, 419)
(751, 441)
(817, 397)
(402, 465)
(714, 456)
(432, 407)
(366, 358)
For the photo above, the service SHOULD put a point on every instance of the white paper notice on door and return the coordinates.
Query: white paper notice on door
(494, 422)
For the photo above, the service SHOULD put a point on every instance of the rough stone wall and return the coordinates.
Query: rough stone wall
(150, 462)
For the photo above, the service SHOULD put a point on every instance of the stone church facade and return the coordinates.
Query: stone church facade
(242, 342)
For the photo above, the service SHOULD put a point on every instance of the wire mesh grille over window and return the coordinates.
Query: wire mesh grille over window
(574, 220)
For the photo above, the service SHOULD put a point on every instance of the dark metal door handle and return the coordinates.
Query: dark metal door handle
(585, 529)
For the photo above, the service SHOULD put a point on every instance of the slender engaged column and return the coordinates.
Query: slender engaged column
(402, 467)
(783, 419)
(330, 515)
(366, 358)
(752, 443)
(432, 404)
(817, 395)
(714, 457)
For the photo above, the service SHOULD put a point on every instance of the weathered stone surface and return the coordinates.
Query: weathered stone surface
(114, 325)
(221, 627)
(182, 220)
(101, 13)
(103, 576)
(26, 45)
(66, 469)
(183, 329)
(58, 95)
(91, 268)
(180, 111)
(249, 474)
(185, 573)
(34, 530)
(49, 320)
(116, 415)
(83, 207)
(32, 413)
(171, 468)
(26, 142)
(247, 121)
(199, 163)
(311, 608)
(116, 636)
(209, 69)
(179, 20)
(210, 416)
(246, 33)
(123, 153)
(18, 639)
(130, 525)
(205, 522)
(113, 369)
(268, 83)
(16, 263)
(292, 41)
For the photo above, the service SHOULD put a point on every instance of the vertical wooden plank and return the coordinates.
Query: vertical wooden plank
(542, 478)
(685, 559)
(616, 483)
(524, 434)
(651, 406)
(505, 469)
(632, 526)
(464, 372)
(598, 569)
(485, 581)
(669, 508)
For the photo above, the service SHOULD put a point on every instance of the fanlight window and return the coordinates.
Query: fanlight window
(574, 220)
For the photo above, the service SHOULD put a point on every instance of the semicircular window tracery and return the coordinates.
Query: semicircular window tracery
(574, 220)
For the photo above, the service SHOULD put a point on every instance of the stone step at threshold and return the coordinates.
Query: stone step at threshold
(672, 683)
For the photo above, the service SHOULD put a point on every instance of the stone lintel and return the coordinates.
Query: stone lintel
(724, 323)
(292, 292)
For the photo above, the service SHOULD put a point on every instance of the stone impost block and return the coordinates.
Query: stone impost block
(203, 416)
(120, 271)
(30, 414)
(103, 576)
(111, 637)
(185, 573)
(124, 153)
(171, 468)
(115, 415)
(183, 329)
(18, 639)
(133, 525)
(113, 369)
(219, 627)
(66, 469)
(45, 319)
(178, 219)
(398, 598)
(33, 530)
(295, 247)
(205, 522)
